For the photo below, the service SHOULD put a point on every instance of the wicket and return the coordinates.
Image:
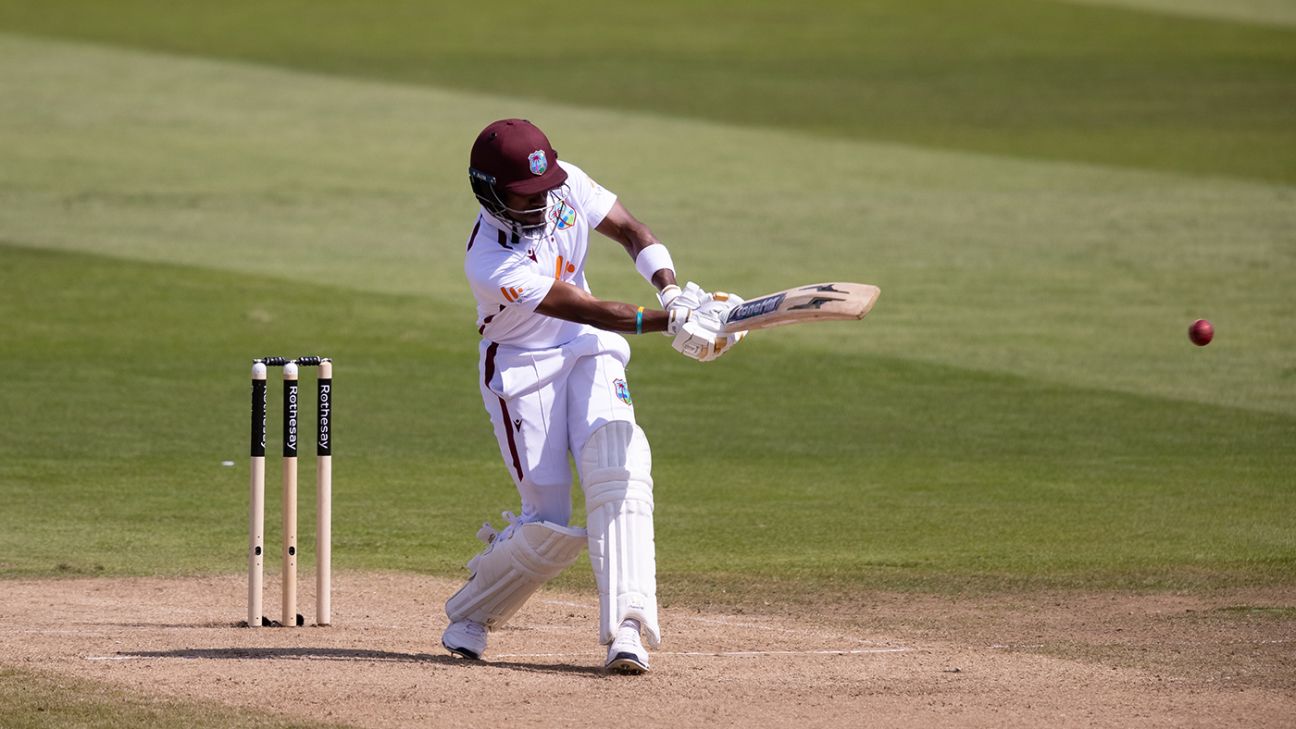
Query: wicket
(323, 490)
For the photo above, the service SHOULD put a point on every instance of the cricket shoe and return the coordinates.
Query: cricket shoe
(466, 639)
(626, 655)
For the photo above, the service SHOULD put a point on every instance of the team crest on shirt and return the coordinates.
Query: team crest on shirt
(538, 162)
(564, 215)
(622, 391)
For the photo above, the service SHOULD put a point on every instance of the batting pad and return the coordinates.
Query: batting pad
(615, 467)
(512, 568)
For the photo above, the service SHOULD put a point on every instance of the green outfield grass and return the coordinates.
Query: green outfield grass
(1267, 12)
(31, 700)
(864, 470)
(1129, 83)
(1022, 408)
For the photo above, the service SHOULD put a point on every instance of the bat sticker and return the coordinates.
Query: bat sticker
(815, 303)
(756, 307)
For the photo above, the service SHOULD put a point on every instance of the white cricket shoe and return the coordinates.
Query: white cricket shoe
(466, 639)
(626, 655)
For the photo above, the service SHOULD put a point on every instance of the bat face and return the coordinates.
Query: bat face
(815, 302)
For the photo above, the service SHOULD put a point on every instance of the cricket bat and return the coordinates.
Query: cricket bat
(815, 302)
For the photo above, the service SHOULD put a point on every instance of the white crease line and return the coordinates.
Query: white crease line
(733, 624)
(708, 621)
(54, 631)
(721, 654)
(830, 652)
(758, 626)
(543, 629)
(565, 603)
(1020, 646)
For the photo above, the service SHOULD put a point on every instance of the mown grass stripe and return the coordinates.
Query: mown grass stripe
(1044, 80)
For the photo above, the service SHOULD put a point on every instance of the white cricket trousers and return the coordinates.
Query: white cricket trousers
(545, 403)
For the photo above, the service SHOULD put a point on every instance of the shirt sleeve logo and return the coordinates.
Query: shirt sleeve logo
(622, 391)
(538, 162)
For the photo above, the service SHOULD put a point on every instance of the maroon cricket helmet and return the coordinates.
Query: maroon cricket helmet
(513, 155)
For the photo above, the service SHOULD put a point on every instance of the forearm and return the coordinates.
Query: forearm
(635, 237)
(616, 316)
(568, 302)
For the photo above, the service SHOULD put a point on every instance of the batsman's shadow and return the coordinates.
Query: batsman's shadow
(355, 655)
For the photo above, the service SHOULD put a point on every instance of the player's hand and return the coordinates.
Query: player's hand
(700, 337)
(668, 295)
(732, 300)
(680, 303)
(690, 297)
(721, 304)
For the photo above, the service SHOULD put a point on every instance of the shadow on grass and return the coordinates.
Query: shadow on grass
(358, 655)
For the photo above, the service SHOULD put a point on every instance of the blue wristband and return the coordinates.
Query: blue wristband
(639, 321)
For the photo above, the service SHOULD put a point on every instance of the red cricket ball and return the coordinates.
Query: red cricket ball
(1201, 332)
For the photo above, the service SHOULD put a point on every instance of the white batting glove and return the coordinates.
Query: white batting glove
(668, 295)
(699, 337)
(731, 299)
(679, 302)
(723, 303)
(690, 297)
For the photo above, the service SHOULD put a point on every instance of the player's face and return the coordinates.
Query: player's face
(527, 209)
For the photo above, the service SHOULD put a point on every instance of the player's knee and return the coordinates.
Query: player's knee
(554, 511)
(615, 464)
(546, 501)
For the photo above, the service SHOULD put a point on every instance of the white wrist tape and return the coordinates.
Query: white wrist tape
(653, 259)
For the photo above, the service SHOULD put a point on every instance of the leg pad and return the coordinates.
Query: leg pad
(616, 475)
(512, 568)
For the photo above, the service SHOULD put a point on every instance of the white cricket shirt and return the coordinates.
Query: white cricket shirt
(511, 276)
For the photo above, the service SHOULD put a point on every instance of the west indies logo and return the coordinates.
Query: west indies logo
(538, 162)
(622, 391)
(564, 215)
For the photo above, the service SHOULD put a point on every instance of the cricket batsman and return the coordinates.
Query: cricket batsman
(553, 380)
